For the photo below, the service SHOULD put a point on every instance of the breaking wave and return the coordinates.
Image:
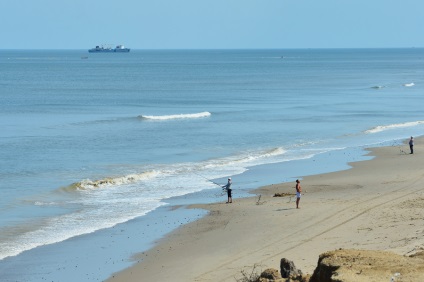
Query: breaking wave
(103, 203)
(409, 84)
(246, 159)
(179, 116)
(112, 181)
(381, 128)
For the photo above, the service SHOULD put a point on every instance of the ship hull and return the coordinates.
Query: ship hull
(109, 51)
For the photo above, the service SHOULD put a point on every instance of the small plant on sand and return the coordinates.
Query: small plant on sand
(258, 202)
(250, 275)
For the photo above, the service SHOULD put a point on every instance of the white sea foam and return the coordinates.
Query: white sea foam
(179, 116)
(39, 203)
(409, 84)
(245, 159)
(63, 227)
(112, 200)
(113, 181)
(381, 128)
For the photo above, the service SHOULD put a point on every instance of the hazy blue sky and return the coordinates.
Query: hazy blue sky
(204, 24)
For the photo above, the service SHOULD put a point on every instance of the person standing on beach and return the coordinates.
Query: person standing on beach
(298, 193)
(411, 145)
(229, 190)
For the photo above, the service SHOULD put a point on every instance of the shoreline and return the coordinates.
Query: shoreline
(364, 207)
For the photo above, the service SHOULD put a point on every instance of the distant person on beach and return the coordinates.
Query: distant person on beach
(411, 145)
(298, 193)
(229, 190)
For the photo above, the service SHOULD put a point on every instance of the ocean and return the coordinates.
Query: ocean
(97, 151)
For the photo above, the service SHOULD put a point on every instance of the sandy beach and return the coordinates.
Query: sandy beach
(375, 205)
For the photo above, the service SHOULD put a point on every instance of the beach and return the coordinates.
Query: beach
(375, 205)
(111, 170)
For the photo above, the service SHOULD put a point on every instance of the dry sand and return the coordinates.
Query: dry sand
(376, 205)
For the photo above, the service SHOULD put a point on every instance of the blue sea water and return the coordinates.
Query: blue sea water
(94, 148)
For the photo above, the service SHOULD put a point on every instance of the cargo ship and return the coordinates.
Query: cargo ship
(102, 49)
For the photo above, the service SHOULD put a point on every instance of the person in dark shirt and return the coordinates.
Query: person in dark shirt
(411, 145)
(229, 190)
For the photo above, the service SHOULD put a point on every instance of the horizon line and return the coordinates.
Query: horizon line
(211, 49)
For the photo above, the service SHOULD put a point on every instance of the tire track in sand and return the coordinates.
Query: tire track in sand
(377, 201)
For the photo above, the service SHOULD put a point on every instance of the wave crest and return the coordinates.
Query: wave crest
(180, 116)
(381, 128)
(409, 84)
(246, 159)
(109, 181)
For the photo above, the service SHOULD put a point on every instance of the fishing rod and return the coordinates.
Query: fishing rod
(208, 179)
(216, 195)
(223, 187)
(401, 151)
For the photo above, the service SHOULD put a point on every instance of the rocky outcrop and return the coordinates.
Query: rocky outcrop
(288, 269)
(352, 266)
(270, 274)
(364, 265)
(291, 273)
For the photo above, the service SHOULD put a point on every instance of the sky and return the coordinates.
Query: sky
(206, 24)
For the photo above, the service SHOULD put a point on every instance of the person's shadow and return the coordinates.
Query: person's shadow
(286, 209)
